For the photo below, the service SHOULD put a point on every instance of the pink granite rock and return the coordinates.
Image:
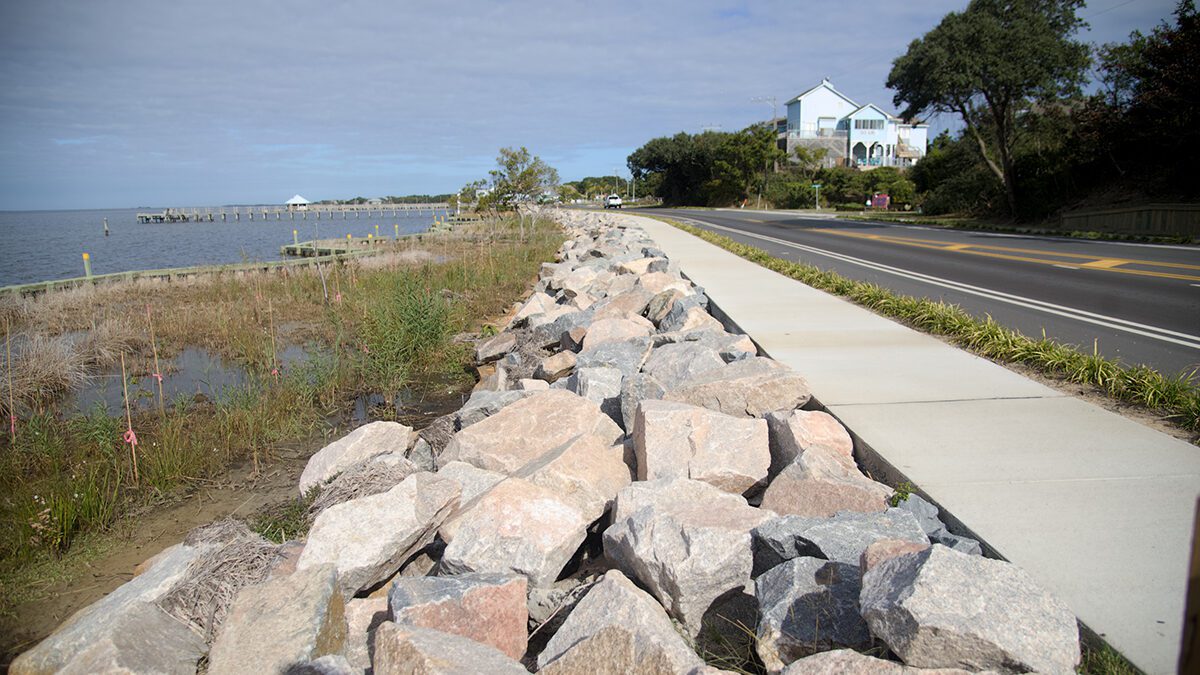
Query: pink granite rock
(485, 607)
(677, 440)
(616, 329)
(821, 482)
(526, 430)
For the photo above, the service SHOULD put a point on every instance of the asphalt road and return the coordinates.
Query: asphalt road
(1139, 303)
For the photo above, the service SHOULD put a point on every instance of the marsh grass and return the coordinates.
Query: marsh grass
(1176, 398)
(392, 326)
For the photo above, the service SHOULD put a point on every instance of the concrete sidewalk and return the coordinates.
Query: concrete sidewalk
(1098, 508)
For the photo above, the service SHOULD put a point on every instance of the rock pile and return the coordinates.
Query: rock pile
(630, 489)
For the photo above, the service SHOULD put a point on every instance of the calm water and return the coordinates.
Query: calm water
(43, 245)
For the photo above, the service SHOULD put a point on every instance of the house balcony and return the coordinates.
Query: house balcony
(818, 133)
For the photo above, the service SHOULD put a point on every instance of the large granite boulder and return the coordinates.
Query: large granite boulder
(794, 432)
(600, 385)
(752, 386)
(615, 603)
(125, 629)
(674, 363)
(518, 527)
(686, 541)
(842, 537)
(943, 609)
(635, 389)
(485, 607)
(585, 472)
(626, 356)
(282, 622)
(368, 539)
(357, 446)
(472, 480)
(494, 347)
(405, 649)
(806, 606)
(616, 329)
(822, 482)
(363, 617)
(677, 440)
(528, 429)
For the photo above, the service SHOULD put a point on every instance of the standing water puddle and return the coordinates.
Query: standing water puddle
(194, 372)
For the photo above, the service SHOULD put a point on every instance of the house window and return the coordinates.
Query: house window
(868, 124)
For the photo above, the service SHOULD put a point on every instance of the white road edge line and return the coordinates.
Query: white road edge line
(1066, 267)
(1162, 334)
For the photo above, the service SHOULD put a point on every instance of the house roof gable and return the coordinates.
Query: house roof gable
(826, 84)
(874, 107)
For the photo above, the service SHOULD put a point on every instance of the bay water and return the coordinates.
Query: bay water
(45, 245)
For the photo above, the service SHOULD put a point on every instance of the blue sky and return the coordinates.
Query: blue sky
(121, 103)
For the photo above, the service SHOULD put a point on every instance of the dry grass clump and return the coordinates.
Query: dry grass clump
(43, 369)
(361, 480)
(240, 558)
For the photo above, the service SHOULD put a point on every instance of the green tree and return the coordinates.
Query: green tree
(989, 64)
(712, 168)
(520, 177)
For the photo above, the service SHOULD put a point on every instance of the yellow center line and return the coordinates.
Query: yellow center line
(1095, 262)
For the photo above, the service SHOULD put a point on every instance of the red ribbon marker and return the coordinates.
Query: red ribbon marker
(157, 376)
(130, 437)
(12, 424)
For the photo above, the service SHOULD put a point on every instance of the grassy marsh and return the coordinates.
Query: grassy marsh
(370, 325)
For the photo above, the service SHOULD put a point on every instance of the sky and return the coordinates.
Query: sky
(125, 103)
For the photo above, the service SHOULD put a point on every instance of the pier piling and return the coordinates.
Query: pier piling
(87, 265)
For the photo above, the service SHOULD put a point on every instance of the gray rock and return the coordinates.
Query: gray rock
(614, 602)
(687, 316)
(958, 543)
(730, 347)
(635, 389)
(806, 606)
(943, 609)
(925, 513)
(282, 622)
(357, 446)
(495, 347)
(369, 538)
(487, 608)
(602, 386)
(675, 363)
(422, 453)
(125, 629)
(841, 538)
(483, 404)
(660, 305)
(402, 649)
(684, 540)
(626, 356)
(753, 387)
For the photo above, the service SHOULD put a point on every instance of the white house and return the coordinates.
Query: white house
(297, 203)
(858, 135)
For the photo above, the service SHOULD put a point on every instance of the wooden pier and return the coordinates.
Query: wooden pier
(310, 212)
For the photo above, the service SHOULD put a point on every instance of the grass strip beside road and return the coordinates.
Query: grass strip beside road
(1173, 397)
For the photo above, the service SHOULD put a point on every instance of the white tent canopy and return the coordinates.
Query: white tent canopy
(298, 201)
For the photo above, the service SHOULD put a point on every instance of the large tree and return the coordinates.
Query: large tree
(991, 64)
(521, 177)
